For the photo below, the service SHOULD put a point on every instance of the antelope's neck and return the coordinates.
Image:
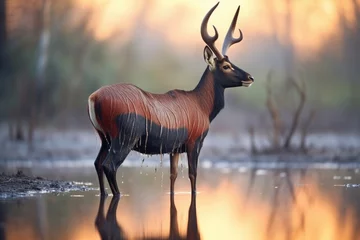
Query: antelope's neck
(210, 95)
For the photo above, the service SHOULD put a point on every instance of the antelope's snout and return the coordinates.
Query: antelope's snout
(248, 81)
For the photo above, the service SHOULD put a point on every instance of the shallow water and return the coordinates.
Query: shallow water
(236, 203)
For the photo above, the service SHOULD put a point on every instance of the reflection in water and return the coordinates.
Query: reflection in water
(258, 205)
(109, 228)
(192, 230)
(2, 220)
(192, 226)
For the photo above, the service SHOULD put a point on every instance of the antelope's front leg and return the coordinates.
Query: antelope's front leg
(193, 151)
(174, 159)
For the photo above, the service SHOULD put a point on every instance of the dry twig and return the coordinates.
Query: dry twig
(301, 89)
(274, 114)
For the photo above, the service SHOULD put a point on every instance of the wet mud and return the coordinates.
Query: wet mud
(21, 185)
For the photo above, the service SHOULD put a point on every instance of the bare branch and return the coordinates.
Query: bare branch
(252, 139)
(274, 113)
(301, 90)
(305, 128)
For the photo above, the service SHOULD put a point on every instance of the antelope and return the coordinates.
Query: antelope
(128, 118)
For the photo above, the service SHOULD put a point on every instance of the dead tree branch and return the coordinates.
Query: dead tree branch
(301, 90)
(305, 129)
(274, 114)
(41, 63)
(251, 131)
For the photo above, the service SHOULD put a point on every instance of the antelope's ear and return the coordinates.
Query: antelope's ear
(209, 57)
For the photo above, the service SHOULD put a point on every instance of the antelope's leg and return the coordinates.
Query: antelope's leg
(116, 156)
(193, 151)
(111, 165)
(107, 170)
(174, 159)
(99, 160)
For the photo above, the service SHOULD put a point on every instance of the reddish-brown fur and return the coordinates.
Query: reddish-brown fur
(175, 109)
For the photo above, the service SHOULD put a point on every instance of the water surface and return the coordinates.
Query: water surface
(237, 203)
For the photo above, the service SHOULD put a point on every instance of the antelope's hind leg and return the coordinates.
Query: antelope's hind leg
(116, 156)
(105, 145)
(174, 159)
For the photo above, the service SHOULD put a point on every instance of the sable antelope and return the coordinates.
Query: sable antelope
(128, 118)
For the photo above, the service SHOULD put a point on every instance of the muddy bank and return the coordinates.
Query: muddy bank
(21, 185)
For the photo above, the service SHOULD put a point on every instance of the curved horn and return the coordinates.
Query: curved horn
(210, 41)
(229, 39)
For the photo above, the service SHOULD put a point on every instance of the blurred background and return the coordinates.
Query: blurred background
(304, 56)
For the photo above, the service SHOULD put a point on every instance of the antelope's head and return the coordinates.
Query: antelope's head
(225, 72)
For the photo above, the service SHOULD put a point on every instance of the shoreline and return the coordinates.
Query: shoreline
(20, 185)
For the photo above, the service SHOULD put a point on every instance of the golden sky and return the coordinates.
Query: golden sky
(178, 21)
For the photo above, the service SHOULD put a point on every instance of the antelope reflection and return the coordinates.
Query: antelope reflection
(192, 226)
(109, 228)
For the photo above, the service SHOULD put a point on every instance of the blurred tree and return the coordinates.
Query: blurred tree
(3, 49)
(289, 54)
(350, 31)
(78, 64)
(2, 35)
(41, 63)
(287, 47)
(50, 80)
(10, 75)
(2, 221)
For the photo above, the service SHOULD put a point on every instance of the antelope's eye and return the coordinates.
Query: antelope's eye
(226, 67)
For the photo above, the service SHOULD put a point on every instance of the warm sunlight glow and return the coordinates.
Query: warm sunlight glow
(27, 232)
(178, 21)
(317, 218)
(222, 212)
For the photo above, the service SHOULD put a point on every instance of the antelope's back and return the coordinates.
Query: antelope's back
(173, 110)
